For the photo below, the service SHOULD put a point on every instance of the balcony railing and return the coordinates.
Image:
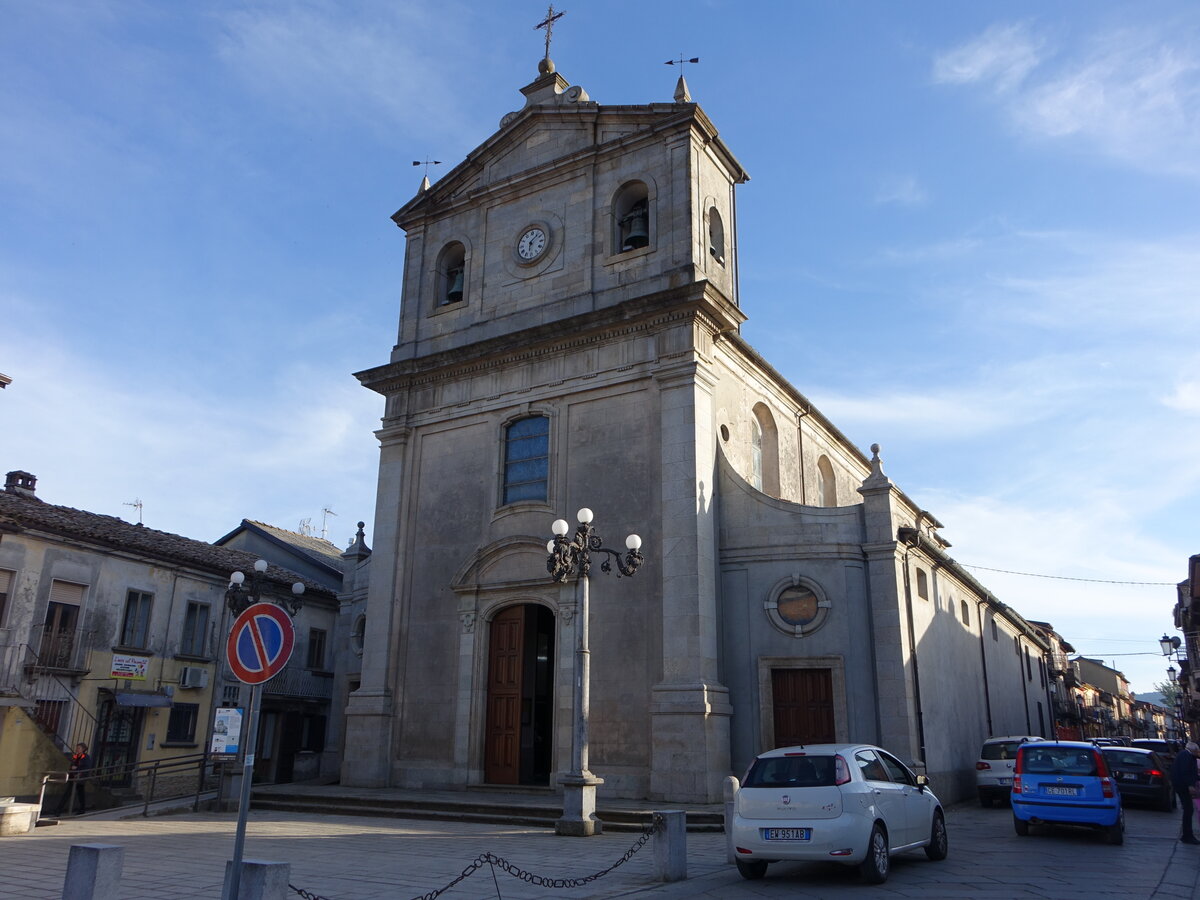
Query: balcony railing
(301, 684)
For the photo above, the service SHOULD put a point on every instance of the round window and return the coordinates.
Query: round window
(797, 606)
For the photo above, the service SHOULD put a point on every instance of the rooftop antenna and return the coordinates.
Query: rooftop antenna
(136, 504)
(325, 514)
(305, 527)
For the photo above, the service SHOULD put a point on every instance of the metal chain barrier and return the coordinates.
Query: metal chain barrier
(491, 859)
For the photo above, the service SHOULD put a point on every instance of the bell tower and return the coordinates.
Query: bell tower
(563, 287)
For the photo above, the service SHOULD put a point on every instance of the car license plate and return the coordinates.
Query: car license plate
(1062, 791)
(1004, 781)
(787, 834)
(1129, 776)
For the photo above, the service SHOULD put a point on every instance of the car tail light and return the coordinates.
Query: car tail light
(1101, 765)
(981, 765)
(1016, 789)
(1154, 773)
(1020, 763)
(841, 771)
(1106, 785)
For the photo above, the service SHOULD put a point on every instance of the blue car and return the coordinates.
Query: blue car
(1066, 783)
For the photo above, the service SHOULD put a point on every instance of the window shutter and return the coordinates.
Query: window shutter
(65, 592)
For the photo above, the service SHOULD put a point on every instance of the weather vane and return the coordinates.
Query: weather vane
(548, 24)
(680, 62)
(427, 163)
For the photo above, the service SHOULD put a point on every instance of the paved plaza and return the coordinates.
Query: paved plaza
(362, 858)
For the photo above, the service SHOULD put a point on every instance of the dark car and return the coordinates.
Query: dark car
(1167, 750)
(1141, 775)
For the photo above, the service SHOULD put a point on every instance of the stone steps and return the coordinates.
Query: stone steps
(535, 812)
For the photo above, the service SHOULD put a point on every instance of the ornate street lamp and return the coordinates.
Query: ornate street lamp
(1171, 673)
(239, 596)
(572, 556)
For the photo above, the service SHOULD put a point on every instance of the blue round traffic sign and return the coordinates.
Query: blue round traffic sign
(260, 643)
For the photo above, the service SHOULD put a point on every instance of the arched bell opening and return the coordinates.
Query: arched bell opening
(519, 732)
(631, 218)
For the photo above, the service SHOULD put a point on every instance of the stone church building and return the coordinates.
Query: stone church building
(570, 337)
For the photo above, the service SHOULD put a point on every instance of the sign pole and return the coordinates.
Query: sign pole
(239, 843)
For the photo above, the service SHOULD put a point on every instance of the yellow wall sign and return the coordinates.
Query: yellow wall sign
(132, 668)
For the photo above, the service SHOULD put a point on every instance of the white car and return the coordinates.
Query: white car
(848, 803)
(994, 768)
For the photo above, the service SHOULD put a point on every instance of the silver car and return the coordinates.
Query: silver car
(994, 768)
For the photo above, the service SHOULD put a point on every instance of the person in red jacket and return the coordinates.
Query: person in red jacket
(75, 791)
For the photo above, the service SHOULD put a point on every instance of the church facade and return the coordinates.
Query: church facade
(570, 337)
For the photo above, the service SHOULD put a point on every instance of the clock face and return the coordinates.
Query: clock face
(531, 244)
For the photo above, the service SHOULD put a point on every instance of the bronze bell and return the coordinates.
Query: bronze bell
(636, 227)
(455, 293)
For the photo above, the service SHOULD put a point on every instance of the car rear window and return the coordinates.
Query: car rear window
(1127, 760)
(1000, 750)
(1058, 761)
(792, 771)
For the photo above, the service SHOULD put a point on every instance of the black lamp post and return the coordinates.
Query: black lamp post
(240, 596)
(573, 556)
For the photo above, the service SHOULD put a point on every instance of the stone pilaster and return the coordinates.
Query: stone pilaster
(690, 709)
(370, 741)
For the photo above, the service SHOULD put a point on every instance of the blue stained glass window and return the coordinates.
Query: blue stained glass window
(527, 459)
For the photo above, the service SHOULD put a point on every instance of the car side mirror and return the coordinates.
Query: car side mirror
(922, 781)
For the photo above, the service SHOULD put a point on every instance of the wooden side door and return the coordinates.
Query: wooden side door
(502, 745)
(803, 706)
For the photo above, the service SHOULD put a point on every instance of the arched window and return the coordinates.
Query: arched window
(631, 218)
(451, 274)
(756, 454)
(716, 236)
(527, 459)
(768, 450)
(826, 483)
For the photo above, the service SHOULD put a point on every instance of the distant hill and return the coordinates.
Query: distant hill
(1154, 697)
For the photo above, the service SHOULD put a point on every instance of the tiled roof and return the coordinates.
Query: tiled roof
(31, 514)
(322, 550)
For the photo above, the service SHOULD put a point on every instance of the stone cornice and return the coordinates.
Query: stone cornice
(696, 302)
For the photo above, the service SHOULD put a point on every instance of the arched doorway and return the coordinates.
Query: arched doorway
(518, 744)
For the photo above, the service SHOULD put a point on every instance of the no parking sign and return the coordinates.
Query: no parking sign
(260, 643)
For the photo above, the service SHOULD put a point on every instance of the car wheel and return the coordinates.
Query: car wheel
(985, 800)
(1021, 827)
(939, 844)
(752, 870)
(1115, 834)
(874, 869)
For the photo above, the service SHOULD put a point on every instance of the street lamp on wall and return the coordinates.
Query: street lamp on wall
(573, 556)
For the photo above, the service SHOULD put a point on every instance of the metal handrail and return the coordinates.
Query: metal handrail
(153, 770)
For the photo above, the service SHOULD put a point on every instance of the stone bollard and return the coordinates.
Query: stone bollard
(261, 880)
(670, 846)
(731, 786)
(93, 872)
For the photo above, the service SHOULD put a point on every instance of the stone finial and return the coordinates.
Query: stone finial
(425, 185)
(682, 95)
(358, 549)
(877, 477)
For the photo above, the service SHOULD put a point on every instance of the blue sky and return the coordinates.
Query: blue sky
(970, 236)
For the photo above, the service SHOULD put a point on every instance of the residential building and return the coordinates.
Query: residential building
(112, 634)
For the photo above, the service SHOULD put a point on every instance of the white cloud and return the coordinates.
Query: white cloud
(387, 61)
(1002, 56)
(902, 191)
(1130, 94)
(1185, 398)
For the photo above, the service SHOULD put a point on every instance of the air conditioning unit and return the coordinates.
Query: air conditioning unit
(193, 677)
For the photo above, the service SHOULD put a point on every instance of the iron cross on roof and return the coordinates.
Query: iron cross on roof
(548, 24)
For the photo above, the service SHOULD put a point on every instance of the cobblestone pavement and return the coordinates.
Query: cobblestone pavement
(353, 858)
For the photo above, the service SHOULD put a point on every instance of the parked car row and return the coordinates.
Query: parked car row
(858, 805)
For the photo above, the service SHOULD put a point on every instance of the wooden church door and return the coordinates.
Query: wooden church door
(803, 706)
(520, 696)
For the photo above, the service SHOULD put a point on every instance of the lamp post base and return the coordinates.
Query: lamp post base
(579, 806)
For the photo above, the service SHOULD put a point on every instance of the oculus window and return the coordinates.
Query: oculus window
(797, 606)
(527, 459)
